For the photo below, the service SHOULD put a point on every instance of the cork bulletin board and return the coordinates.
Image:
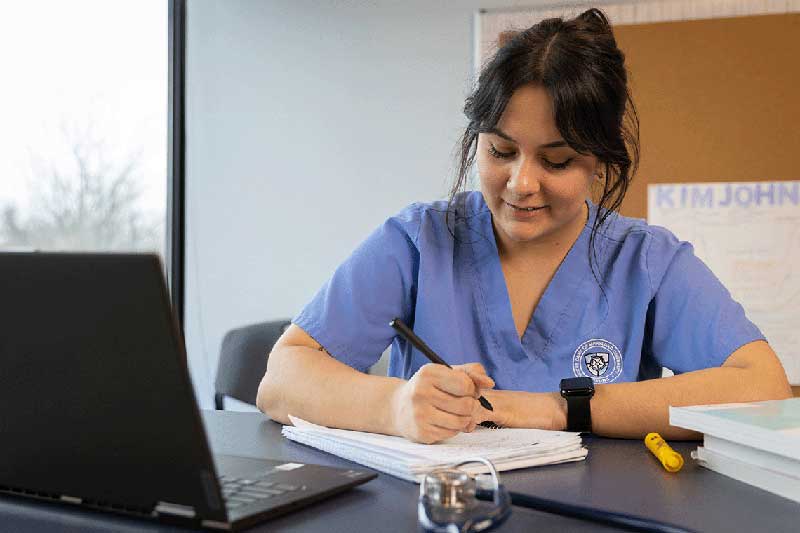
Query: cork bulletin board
(716, 86)
(717, 100)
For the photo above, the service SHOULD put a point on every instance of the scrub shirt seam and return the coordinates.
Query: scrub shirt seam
(477, 281)
(647, 266)
(565, 311)
(731, 347)
(649, 236)
(487, 314)
(332, 350)
(735, 341)
(605, 229)
(541, 355)
(622, 240)
(418, 208)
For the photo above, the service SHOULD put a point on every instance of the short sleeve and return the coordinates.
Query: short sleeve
(693, 321)
(349, 316)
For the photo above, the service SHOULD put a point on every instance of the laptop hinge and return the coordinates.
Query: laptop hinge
(214, 524)
(175, 509)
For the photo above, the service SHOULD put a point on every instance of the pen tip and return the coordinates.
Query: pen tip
(485, 403)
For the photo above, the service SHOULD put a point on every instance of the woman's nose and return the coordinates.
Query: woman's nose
(524, 179)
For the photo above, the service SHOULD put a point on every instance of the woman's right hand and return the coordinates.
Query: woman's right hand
(438, 402)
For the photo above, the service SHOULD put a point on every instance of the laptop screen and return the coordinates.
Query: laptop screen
(96, 398)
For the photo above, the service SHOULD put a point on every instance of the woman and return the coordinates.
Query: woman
(526, 282)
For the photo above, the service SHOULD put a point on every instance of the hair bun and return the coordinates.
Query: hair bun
(596, 18)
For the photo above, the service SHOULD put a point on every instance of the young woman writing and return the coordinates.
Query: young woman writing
(527, 281)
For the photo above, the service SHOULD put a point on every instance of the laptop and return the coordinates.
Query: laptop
(98, 409)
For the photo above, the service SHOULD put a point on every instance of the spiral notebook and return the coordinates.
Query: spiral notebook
(507, 449)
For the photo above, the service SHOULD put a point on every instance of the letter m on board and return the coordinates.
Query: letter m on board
(702, 196)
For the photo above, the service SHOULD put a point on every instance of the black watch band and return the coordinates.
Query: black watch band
(579, 413)
(578, 392)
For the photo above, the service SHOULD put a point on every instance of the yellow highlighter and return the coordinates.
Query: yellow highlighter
(670, 459)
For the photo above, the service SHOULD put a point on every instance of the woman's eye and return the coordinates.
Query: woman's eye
(557, 166)
(494, 152)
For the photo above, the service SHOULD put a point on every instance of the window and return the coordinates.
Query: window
(83, 163)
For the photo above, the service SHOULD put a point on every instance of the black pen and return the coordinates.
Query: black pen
(411, 337)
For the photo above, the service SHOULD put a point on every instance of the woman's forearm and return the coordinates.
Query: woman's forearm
(302, 379)
(631, 410)
(635, 409)
(314, 386)
(751, 373)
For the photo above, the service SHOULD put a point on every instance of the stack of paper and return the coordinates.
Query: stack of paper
(757, 443)
(507, 449)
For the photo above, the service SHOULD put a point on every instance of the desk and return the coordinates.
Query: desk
(618, 475)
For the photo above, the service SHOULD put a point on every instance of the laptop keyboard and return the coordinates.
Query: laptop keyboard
(239, 491)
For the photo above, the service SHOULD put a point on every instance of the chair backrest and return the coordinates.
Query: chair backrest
(243, 360)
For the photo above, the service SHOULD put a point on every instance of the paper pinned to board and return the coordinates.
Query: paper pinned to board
(506, 448)
(748, 233)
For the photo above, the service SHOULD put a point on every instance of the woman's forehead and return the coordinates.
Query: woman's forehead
(528, 117)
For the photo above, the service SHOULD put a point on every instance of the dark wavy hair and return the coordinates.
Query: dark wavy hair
(578, 63)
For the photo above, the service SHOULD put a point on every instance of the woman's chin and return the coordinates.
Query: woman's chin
(523, 235)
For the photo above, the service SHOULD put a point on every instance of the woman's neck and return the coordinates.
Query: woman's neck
(550, 247)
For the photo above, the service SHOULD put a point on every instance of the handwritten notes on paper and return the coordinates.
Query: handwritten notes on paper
(507, 449)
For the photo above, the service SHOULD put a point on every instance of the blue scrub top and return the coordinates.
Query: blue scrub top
(661, 305)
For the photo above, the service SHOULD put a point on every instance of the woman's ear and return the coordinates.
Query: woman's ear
(598, 171)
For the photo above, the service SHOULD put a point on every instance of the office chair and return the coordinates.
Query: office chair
(243, 360)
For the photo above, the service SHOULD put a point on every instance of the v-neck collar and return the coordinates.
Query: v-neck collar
(554, 304)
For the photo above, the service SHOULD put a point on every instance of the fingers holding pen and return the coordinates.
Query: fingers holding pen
(460, 388)
(478, 374)
(447, 421)
(445, 389)
(452, 381)
(435, 404)
(421, 421)
(461, 381)
(456, 405)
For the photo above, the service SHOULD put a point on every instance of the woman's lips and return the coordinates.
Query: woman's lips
(525, 213)
(525, 208)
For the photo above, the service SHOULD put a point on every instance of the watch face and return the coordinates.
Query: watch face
(581, 386)
(577, 392)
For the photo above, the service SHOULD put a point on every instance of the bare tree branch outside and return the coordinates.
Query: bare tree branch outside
(88, 201)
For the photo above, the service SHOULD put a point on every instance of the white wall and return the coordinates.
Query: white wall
(308, 123)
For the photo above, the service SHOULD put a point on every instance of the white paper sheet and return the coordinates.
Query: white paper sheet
(748, 233)
(506, 448)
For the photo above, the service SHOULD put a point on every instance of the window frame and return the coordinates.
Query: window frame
(176, 152)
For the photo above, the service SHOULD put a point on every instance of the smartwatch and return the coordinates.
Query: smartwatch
(578, 392)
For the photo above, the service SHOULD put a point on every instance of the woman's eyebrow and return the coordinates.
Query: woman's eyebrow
(554, 144)
(500, 133)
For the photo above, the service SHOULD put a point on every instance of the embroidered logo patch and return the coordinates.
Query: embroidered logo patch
(597, 363)
(598, 359)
